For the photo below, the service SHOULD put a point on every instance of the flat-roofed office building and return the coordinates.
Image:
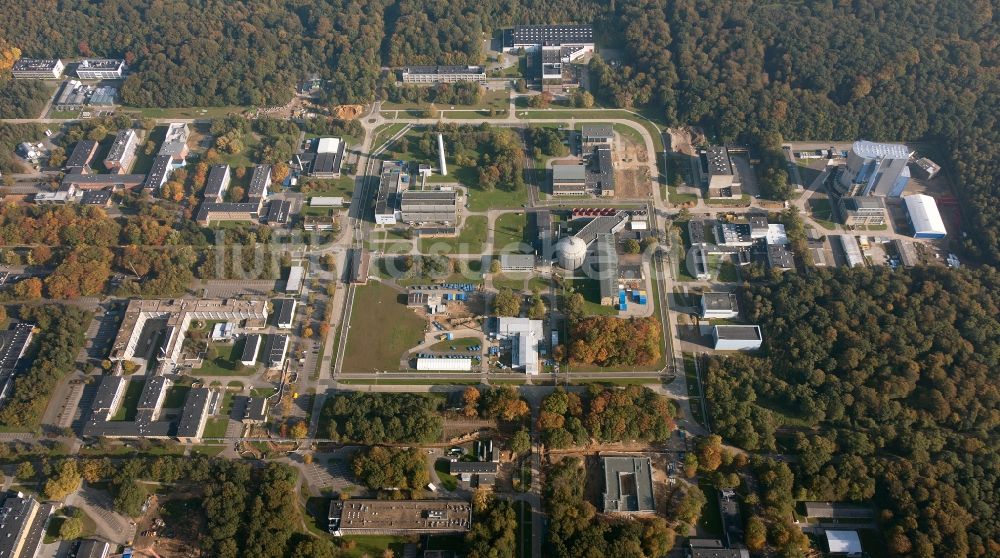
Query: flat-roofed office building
(100, 68)
(398, 517)
(432, 75)
(36, 68)
(569, 180)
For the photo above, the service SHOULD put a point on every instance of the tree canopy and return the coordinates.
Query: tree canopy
(370, 418)
(884, 385)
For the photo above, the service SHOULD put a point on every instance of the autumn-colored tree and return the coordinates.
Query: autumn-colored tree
(199, 176)
(482, 500)
(307, 332)
(93, 470)
(548, 420)
(41, 254)
(8, 55)
(30, 289)
(307, 458)
(471, 400)
(236, 193)
(240, 172)
(279, 172)
(300, 429)
(173, 191)
(67, 480)
(324, 329)
(690, 465)
(710, 452)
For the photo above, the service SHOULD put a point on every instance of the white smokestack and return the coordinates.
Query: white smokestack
(444, 168)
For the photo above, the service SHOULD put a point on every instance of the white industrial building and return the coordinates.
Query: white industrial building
(96, 68)
(844, 543)
(924, 216)
(571, 252)
(295, 275)
(326, 201)
(524, 335)
(447, 364)
(737, 337)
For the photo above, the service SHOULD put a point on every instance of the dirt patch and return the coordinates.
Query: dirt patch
(683, 140)
(346, 112)
(170, 527)
(632, 183)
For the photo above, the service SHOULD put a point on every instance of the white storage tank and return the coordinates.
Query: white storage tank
(571, 252)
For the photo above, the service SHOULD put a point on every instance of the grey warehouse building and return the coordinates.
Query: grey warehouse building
(628, 485)
(428, 206)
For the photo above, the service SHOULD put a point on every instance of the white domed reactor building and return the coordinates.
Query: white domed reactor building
(571, 252)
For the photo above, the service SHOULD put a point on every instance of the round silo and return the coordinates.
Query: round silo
(571, 252)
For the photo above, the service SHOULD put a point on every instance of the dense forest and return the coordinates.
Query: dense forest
(633, 413)
(370, 418)
(884, 384)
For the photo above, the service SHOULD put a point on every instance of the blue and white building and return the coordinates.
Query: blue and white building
(924, 216)
(876, 169)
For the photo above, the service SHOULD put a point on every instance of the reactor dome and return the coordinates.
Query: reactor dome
(571, 252)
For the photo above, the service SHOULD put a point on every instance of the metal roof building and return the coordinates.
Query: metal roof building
(844, 542)
(448, 364)
(628, 485)
(838, 510)
(924, 216)
(852, 252)
(525, 335)
(175, 143)
(328, 158)
(429, 206)
(527, 36)
(569, 179)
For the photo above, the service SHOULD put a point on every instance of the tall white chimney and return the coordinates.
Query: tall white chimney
(444, 167)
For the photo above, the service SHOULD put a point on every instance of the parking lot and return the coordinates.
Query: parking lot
(329, 474)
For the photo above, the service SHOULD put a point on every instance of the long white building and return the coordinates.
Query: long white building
(100, 68)
(446, 364)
